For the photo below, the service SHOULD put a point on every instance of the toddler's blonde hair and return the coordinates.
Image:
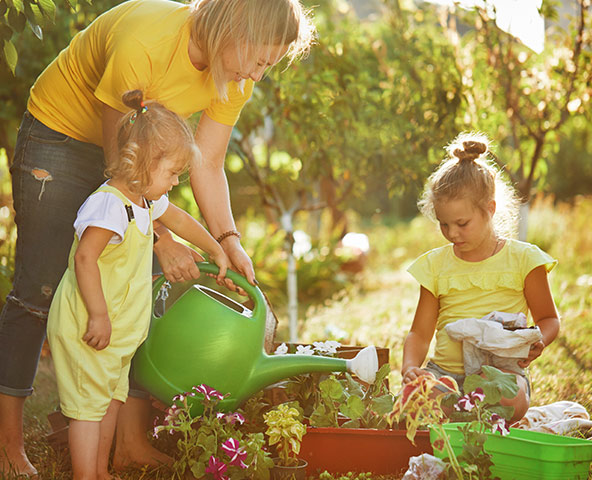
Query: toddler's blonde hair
(467, 172)
(249, 24)
(145, 135)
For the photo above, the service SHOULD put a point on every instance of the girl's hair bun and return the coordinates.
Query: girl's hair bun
(471, 150)
(133, 99)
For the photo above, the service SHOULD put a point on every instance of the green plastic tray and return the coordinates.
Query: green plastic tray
(525, 455)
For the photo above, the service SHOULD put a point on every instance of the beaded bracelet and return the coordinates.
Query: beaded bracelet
(227, 234)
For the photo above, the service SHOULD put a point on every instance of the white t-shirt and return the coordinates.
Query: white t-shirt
(106, 210)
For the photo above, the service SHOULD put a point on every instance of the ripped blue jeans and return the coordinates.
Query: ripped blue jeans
(52, 175)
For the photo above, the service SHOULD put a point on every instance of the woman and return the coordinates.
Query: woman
(191, 58)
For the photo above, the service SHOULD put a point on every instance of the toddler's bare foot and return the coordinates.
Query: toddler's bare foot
(107, 476)
(138, 456)
(15, 464)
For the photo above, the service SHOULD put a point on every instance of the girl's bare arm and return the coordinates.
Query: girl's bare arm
(184, 225)
(419, 337)
(93, 242)
(543, 310)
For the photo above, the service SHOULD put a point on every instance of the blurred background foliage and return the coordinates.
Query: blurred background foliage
(344, 139)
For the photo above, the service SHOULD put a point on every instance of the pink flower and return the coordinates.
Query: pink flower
(237, 454)
(469, 401)
(208, 392)
(234, 418)
(499, 424)
(217, 468)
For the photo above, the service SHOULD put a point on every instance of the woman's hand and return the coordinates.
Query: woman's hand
(176, 259)
(98, 331)
(412, 373)
(240, 263)
(535, 351)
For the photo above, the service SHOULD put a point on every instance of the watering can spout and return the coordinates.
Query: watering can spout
(365, 364)
(272, 368)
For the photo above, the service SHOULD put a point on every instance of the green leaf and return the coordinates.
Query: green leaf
(331, 388)
(10, 55)
(18, 5)
(48, 9)
(353, 408)
(495, 384)
(3, 7)
(382, 405)
(5, 34)
(16, 20)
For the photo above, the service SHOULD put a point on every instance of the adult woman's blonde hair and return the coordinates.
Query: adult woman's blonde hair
(248, 24)
(146, 134)
(468, 172)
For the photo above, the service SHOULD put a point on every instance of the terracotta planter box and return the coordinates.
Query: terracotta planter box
(342, 450)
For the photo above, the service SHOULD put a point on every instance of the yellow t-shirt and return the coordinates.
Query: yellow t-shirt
(139, 44)
(474, 289)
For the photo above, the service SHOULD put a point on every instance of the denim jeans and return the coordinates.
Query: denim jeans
(52, 175)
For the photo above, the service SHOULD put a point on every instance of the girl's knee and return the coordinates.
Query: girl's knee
(520, 402)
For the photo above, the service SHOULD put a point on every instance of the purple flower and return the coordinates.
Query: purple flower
(499, 424)
(217, 468)
(208, 392)
(237, 454)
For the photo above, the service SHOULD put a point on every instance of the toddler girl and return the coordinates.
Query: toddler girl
(480, 271)
(101, 310)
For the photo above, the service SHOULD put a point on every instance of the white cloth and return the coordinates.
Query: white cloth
(424, 467)
(559, 418)
(486, 342)
(105, 210)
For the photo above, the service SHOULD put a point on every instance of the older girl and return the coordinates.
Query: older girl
(479, 271)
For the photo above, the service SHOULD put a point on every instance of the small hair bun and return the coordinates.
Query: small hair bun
(471, 151)
(133, 99)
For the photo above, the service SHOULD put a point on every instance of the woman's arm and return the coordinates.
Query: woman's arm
(184, 225)
(210, 189)
(93, 242)
(420, 336)
(110, 120)
(543, 310)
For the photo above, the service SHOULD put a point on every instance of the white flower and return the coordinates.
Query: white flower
(281, 350)
(304, 350)
(329, 347)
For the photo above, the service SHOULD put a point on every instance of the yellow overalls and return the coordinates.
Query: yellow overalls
(89, 379)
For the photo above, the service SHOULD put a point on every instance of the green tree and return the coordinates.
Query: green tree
(523, 100)
(36, 52)
(371, 100)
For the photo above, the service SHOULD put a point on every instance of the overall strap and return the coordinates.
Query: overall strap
(126, 201)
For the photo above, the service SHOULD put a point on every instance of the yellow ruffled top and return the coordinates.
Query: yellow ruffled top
(474, 289)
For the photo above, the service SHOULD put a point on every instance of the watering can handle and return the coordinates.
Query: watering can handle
(252, 291)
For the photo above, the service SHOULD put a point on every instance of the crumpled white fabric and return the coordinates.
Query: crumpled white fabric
(560, 418)
(424, 467)
(486, 342)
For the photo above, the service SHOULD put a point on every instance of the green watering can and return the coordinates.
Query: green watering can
(205, 337)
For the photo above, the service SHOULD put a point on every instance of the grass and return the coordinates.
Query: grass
(378, 308)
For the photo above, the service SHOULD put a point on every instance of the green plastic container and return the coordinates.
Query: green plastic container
(524, 455)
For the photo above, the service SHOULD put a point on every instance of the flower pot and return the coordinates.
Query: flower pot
(526, 455)
(282, 472)
(342, 450)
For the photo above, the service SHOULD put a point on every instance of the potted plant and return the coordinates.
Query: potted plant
(349, 428)
(483, 446)
(213, 445)
(285, 431)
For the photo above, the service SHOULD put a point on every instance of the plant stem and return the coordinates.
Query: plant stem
(451, 455)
